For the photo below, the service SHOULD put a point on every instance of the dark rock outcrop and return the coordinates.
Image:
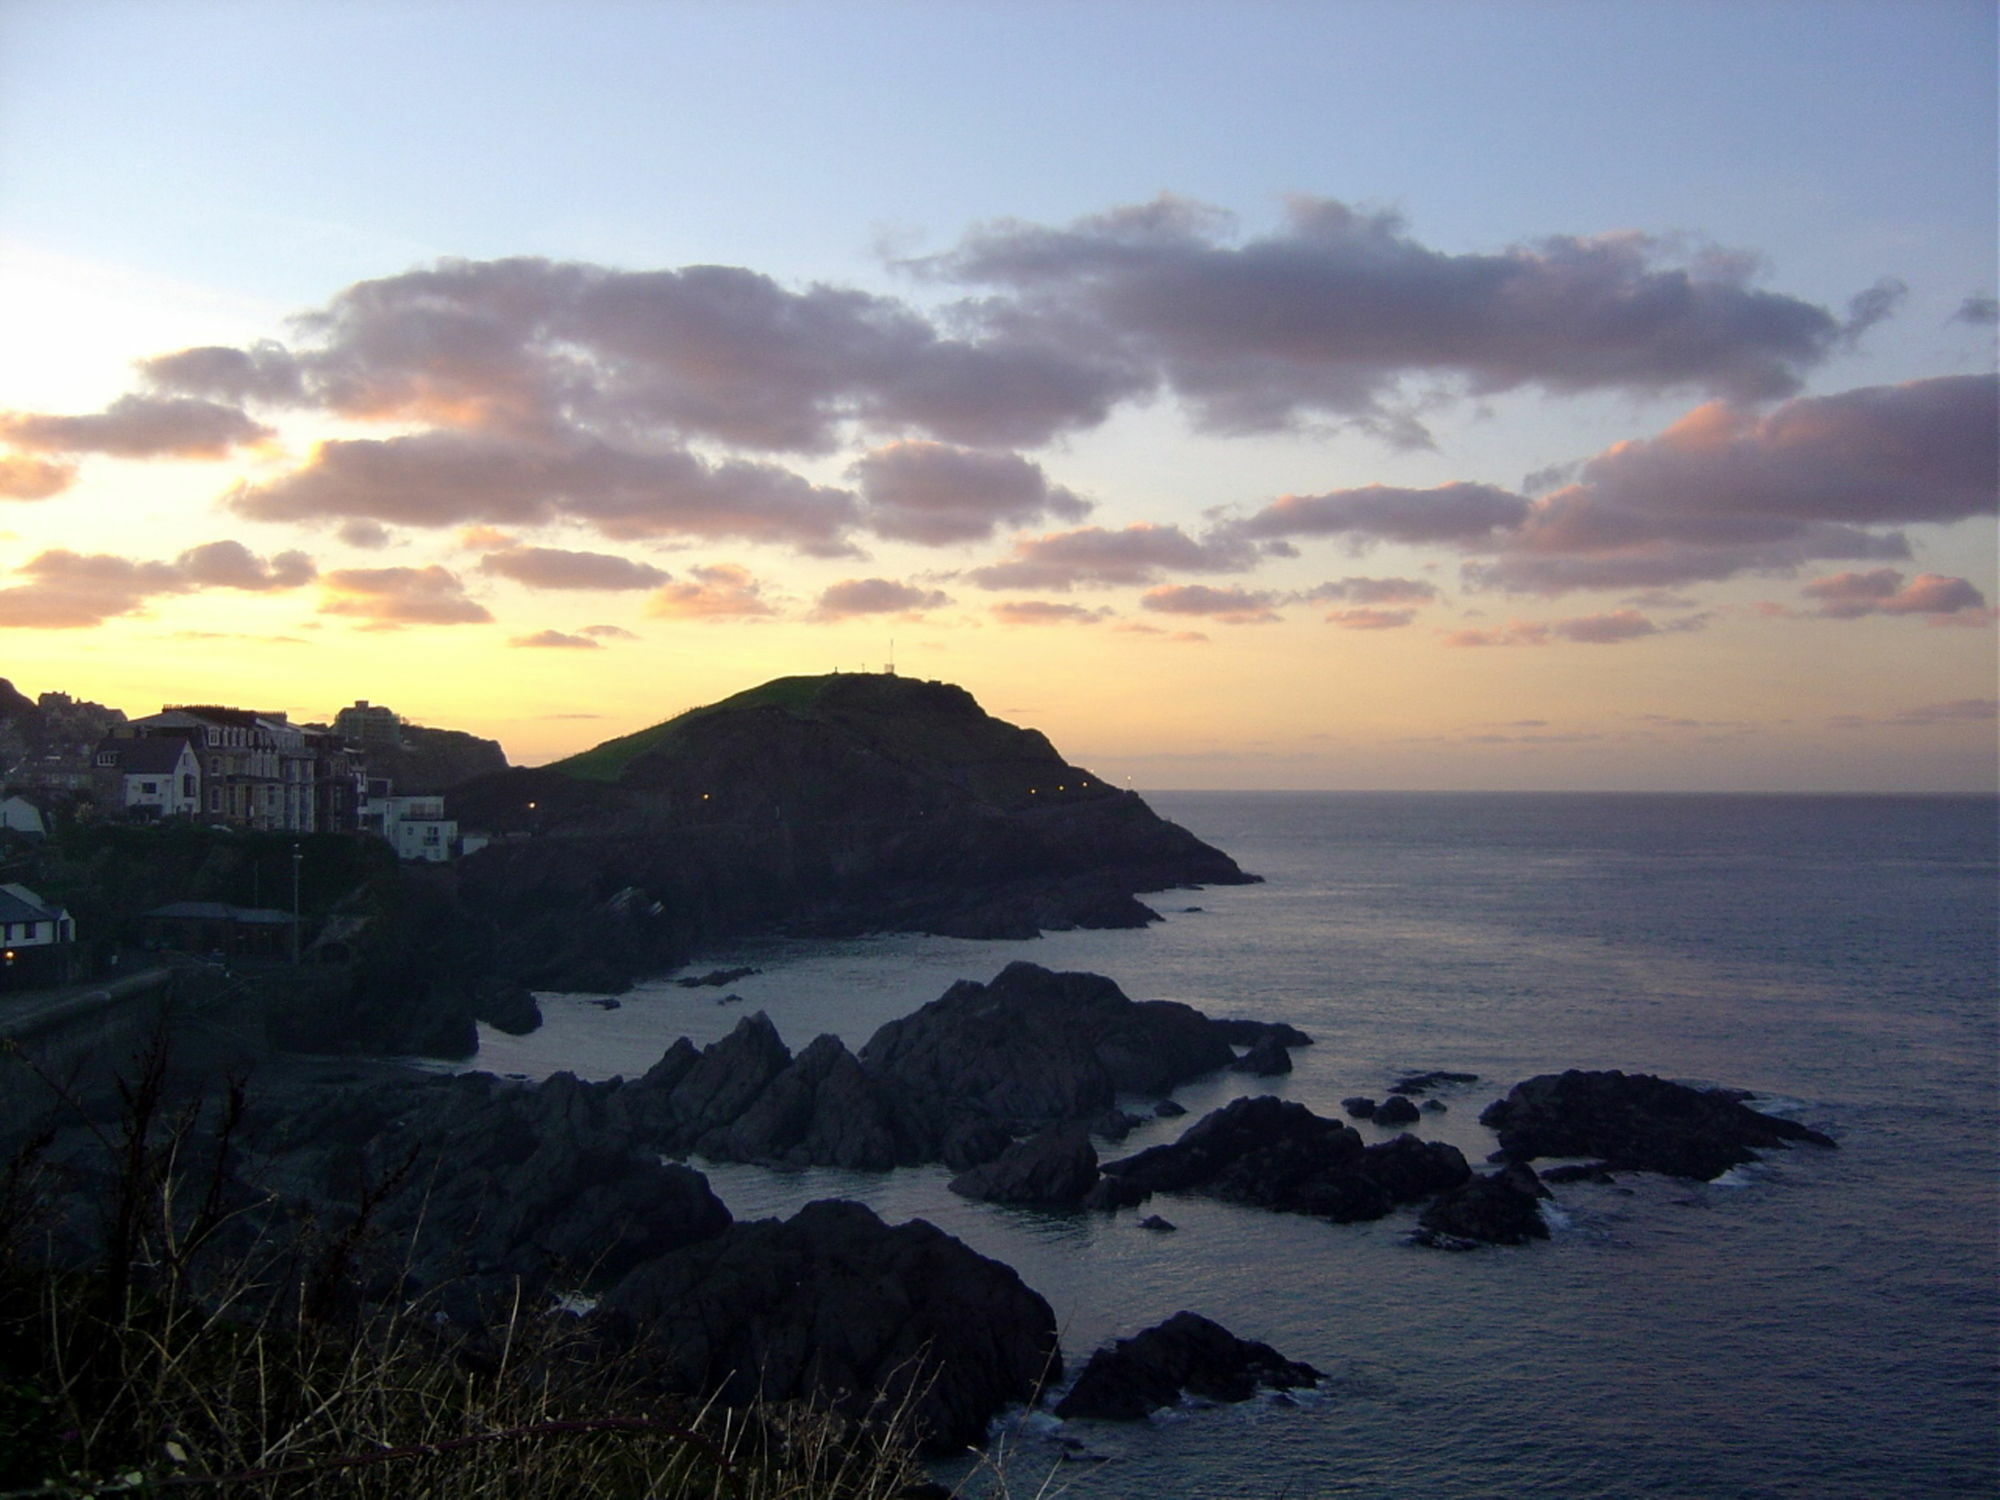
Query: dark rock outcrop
(1054, 1169)
(1637, 1122)
(1359, 1107)
(1187, 1354)
(1036, 1046)
(835, 1306)
(1267, 1058)
(1241, 1033)
(1502, 1208)
(1417, 1084)
(1396, 1110)
(814, 805)
(1276, 1154)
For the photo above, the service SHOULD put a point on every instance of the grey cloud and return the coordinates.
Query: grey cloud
(1324, 317)
(1981, 310)
(553, 568)
(1866, 309)
(875, 596)
(935, 494)
(229, 564)
(264, 372)
(1135, 554)
(369, 535)
(1466, 515)
(445, 478)
(138, 427)
(1374, 591)
(610, 632)
(1370, 619)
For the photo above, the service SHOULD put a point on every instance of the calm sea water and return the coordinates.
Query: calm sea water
(1824, 1324)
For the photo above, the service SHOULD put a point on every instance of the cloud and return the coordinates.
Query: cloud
(610, 632)
(1926, 716)
(25, 478)
(1867, 308)
(229, 564)
(1325, 317)
(719, 592)
(1725, 491)
(1045, 612)
(875, 596)
(369, 535)
(444, 478)
(555, 638)
(138, 427)
(934, 494)
(1981, 310)
(1370, 619)
(1374, 591)
(1230, 606)
(486, 539)
(1465, 515)
(391, 597)
(1849, 596)
(553, 568)
(70, 590)
(264, 372)
(1614, 628)
(1135, 554)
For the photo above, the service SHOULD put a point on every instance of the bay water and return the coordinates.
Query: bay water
(1822, 1323)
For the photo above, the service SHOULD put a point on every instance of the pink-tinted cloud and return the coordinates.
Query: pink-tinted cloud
(370, 536)
(1045, 612)
(1725, 491)
(555, 639)
(68, 590)
(138, 427)
(722, 591)
(1325, 318)
(1849, 596)
(875, 596)
(1135, 554)
(26, 478)
(1365, 618)
(610, 632)
(554, 568)
(1230, 606)
(935, 494)
(391, 597)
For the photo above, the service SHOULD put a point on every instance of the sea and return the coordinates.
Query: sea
(1818, 1324)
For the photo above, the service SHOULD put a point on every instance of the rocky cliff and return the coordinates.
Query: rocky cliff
(811, 805)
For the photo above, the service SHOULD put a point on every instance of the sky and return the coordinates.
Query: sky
(1430, 394)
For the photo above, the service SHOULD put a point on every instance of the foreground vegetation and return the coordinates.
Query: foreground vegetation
(159, 1343)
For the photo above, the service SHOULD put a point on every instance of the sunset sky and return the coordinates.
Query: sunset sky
(1344, 395)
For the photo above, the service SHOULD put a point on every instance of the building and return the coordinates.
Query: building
(257, 770)
(368, 725)
(37, 940)
(19, 815)
(416, 827)
(215, 927)
(148, 779)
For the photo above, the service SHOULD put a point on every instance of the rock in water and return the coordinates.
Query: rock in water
(835, 1306)
(1637, 1122)
(1396, 1110)
(1277, 1154)
(1054, 1169)
(1500, 1209)
(1186, 1354)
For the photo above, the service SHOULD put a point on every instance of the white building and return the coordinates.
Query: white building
(19, 815)
(150, 778)
(416, 827)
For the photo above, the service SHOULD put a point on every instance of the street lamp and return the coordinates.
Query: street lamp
(298, 859)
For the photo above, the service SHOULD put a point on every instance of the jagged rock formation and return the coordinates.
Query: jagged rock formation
(1186, 1355)
(836, 1306)
(1276, 1154)
(1637, 1122)
(814, 805)
(1500, 1208)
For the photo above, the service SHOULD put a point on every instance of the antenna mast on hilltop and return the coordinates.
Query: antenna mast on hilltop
(891, 667)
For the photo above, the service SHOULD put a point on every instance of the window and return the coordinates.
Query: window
(215, 799)
(149, 788)
(187, 786)
(107, 757)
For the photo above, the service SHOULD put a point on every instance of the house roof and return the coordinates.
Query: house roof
(19, 904)
(147, 757)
